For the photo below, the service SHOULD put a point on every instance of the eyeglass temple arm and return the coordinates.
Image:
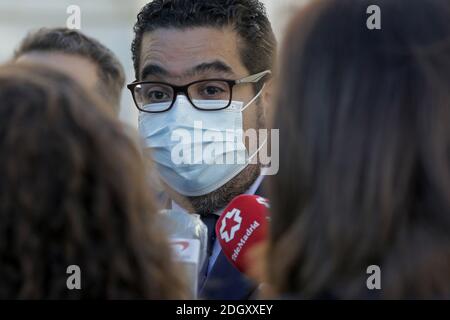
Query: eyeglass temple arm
(254, 77)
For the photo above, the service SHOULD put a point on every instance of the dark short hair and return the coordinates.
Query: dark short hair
(110, 70)
(247, 17)
(364, 173)
(69, 196)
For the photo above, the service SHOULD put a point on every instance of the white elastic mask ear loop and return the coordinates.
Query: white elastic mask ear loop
(246, 106)
(254, 98)
(257, 150)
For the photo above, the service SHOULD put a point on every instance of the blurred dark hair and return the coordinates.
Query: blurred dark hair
(73, 192)
(247, 17)
(364, 118)
(109, 69)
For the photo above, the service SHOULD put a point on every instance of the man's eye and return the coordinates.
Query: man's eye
(211, 91)
(157, 96)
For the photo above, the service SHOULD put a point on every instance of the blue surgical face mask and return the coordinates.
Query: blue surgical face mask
(163, 134)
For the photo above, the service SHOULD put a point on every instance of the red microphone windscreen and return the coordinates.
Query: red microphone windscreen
(242, 225)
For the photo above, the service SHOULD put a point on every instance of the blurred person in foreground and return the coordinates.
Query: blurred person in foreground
(85, 60)
(81, 57)
(364, 116)
(73, 192)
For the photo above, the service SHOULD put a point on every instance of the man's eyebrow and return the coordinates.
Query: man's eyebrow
(217, 66)
(153, 70)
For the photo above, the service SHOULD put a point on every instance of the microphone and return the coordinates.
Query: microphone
(187, 253)
(188, 236)
(180, 224)
(243, 224)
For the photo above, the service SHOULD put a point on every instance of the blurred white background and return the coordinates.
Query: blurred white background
(110, 21)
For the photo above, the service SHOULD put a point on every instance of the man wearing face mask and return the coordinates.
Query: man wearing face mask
(205, 66)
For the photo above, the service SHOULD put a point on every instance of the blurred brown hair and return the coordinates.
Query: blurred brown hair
(110, 71)
(364, 118)
(73, 192)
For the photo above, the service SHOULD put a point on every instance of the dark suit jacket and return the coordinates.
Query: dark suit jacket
(225, 282)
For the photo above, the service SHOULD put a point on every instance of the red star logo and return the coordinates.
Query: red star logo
(230, 224)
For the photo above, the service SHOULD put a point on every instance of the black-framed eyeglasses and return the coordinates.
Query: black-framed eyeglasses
(155, 97)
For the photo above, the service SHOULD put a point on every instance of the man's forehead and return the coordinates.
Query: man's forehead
(179, 51)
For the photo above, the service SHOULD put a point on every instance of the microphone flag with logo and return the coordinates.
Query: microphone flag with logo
(242, 225)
